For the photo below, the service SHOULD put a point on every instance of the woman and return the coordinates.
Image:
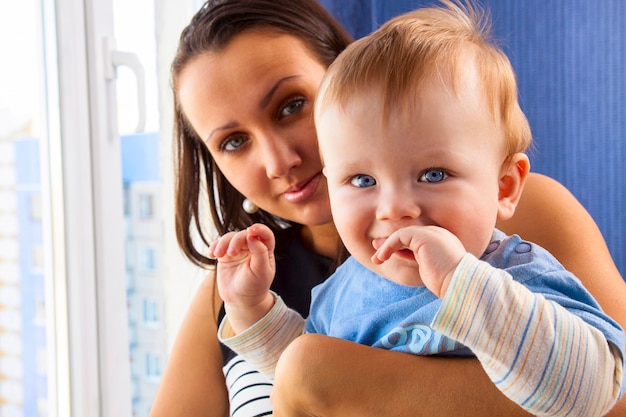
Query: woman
(244, 80)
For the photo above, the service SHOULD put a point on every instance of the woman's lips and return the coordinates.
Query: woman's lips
(303, 191)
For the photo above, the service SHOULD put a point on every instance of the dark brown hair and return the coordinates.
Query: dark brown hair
(210, 30)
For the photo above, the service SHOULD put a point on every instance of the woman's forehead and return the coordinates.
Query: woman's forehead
(253, 57)
(219, 88)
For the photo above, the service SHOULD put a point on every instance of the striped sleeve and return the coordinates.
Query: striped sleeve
(262, 344)
(543, 357)
(248, 390)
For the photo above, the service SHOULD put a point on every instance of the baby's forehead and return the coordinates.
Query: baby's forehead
(457, 75)
(463, 86)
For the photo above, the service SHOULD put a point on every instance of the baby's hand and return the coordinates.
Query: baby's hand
(245, 271)
(436, 250)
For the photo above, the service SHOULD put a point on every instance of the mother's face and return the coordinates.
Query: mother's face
(252, 104)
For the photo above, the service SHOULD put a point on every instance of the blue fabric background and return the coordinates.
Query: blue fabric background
(570, 59)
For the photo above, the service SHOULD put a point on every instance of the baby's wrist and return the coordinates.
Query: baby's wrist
(242, 317)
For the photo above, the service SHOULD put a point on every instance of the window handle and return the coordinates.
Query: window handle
(113, 59)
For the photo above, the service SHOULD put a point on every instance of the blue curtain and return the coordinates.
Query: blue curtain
(570, 59)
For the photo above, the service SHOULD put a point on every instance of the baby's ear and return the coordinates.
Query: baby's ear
(513, 174)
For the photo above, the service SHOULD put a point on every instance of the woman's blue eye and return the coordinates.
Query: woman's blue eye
(363, 181)
(292, 107)
(433, 175)
(233, 143)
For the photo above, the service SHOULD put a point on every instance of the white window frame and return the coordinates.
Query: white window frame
(89, 320)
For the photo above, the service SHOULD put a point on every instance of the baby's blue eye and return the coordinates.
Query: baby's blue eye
(433, 175)
(363, 181)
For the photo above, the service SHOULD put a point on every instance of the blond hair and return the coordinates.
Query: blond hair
(406, 50)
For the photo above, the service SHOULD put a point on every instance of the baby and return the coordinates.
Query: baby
(423, 143)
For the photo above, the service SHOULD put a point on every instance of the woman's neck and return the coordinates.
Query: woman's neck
(322, 239)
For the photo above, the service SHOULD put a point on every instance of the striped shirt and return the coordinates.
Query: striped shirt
(248, 390)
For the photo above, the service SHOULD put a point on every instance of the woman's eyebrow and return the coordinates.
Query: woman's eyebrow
(229, 125)
(268, 97)
(263, 103)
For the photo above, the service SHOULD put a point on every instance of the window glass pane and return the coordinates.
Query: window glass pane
(24, 350)
(141, 173)
(160, 282)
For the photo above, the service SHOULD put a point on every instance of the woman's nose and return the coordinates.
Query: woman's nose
(280, 157)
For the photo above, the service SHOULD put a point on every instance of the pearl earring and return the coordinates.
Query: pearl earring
(249, 207)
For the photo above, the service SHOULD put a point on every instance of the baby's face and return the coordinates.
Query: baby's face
(439, 165)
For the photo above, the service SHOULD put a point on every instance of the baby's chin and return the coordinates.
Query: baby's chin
(401, 268)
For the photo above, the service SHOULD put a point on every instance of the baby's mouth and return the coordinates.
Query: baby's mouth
(406, 254)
